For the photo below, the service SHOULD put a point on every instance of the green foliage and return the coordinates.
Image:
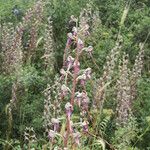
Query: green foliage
(32, 78)
(124, 136)
(6, 9)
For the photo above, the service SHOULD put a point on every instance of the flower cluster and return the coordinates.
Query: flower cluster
(72, 90)
(49, 47)
(52, 107)
(127, 86)
(123, 93)
(100, 86)
(12, 48)
(136, 72)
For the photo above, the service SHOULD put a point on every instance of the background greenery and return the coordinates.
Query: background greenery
(31, 99)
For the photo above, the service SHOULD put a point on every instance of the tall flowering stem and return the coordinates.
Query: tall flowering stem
(75, 76)
(123, 93)
(49, 47)
(71, 79)
(126, 86)
(108, 70)
(136, 72)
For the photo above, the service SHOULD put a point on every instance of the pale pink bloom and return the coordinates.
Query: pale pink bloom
(69, 61)
(64, 90)
(75, 30)
(69, 39)
(85, 126)
(51, 134)
(82, 79)
(78, 98)
(87, 72)
(76, 66)
(89, 49)
(69, 109)
(80, 44)
(55, 123)
(76, 137)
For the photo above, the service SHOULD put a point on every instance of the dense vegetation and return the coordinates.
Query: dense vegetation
(75, 74)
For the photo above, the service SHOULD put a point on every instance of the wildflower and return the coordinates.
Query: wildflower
(85, 126)
(89, 49)
(51, 134)
(55, 123)
(87, 33)
(75, 30)
(78, 98)
(64, 90)
(85, 30)
(63, 73)
(76, 137)
(85, 76)
(86, 27)
(87, 72)
(70, 35)
(80, 44)
(69, 109)
(84, 103)
(82, 79)
(69, 39)
(76, 66)
(70, 61)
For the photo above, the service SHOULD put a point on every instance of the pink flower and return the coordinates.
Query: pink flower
(87, 72)
(76, 66)
(80, 44)
(82, 79)
(51, 134)
(86, 27)
(85, 102)
(69, 62)
(69, 39)
(55, 123)
(64, 90)
(85, 126)
(63, 73)
(89, 49)
(78, 98)
(75, 30)
(76, 137)
(85, 76)
(69, 109)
